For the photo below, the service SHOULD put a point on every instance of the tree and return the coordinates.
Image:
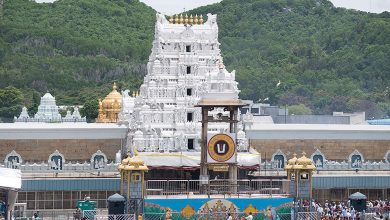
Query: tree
(300, 109)
(11, 100)
(36, 99)
(90, 109)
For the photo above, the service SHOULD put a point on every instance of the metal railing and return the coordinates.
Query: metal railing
(308, 215)
(115, 217)
(188, 188)
(60, 214)
(46, 214)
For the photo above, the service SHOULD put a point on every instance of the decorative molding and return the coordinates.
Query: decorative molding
(279, 152)
(101, 164)
(356, 163)
(387, 157)
(13, 164)
(53, 165)
(316, 162)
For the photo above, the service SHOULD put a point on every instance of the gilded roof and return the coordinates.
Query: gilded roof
(133, 163)
(302, 163)
(113, 96)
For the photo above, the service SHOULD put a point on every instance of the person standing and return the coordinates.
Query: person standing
(249, 217)
(229, 217)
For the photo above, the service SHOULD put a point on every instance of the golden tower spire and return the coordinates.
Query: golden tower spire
(191, 20)
(181, 18)
(196, 19)
(177, 19)
(201, 19)
(186, 19)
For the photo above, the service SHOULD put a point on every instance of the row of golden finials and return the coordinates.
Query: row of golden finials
(191, 20)
(135, 94)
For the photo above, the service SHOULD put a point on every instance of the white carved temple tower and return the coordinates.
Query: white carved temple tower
(185, 64)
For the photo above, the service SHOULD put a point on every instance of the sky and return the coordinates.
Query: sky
(170, 7)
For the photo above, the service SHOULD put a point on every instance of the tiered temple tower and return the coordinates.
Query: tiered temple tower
(48, 111)
(184, 62)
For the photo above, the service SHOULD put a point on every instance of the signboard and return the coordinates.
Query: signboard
(219, 168)
(203, 179)
(221, 148)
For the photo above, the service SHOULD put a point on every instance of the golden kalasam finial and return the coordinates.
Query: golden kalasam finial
(171, 20)
(220, 64)
(137, 94)
(191, 20)
(181, 19)
(114, 86)
(201, 19)
(133, 95)
(177, 19)
(196, 19)
(186, 19)
(100, 104)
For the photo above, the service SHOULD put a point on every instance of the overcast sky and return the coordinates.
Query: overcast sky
(170, 7)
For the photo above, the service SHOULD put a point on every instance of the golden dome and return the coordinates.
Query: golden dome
(112, 97)
(293, 160)
(110, 107)
(126, 160)
(304, 161)
(133, 163)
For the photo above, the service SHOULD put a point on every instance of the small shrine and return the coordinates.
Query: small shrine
(132, 171)
(48, 112)
(110, 107)
(300, 173)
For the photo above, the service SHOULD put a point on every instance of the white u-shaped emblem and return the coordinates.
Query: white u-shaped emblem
(220, 149)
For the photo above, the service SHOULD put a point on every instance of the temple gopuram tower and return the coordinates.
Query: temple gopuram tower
(185, 59)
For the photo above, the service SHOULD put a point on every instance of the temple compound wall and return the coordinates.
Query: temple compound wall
(35, 150)
(73, 142)
(332, 149)
(332, 142)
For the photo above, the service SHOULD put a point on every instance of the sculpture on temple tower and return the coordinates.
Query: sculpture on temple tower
(110, 107)
(184, 65)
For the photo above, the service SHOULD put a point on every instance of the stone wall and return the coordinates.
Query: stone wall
(332, 149)
(72, 149)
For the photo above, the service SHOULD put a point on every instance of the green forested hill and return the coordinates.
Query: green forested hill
(74, 48)
(326, 58)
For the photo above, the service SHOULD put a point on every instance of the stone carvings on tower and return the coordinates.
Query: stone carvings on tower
(185, 64)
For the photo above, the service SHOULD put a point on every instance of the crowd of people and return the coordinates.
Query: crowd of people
(377, 209)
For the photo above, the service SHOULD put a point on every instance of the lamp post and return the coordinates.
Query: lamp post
(285, 105)
(285, 113)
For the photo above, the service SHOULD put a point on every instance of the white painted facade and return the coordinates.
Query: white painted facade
(48, 112)
(184, 66)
